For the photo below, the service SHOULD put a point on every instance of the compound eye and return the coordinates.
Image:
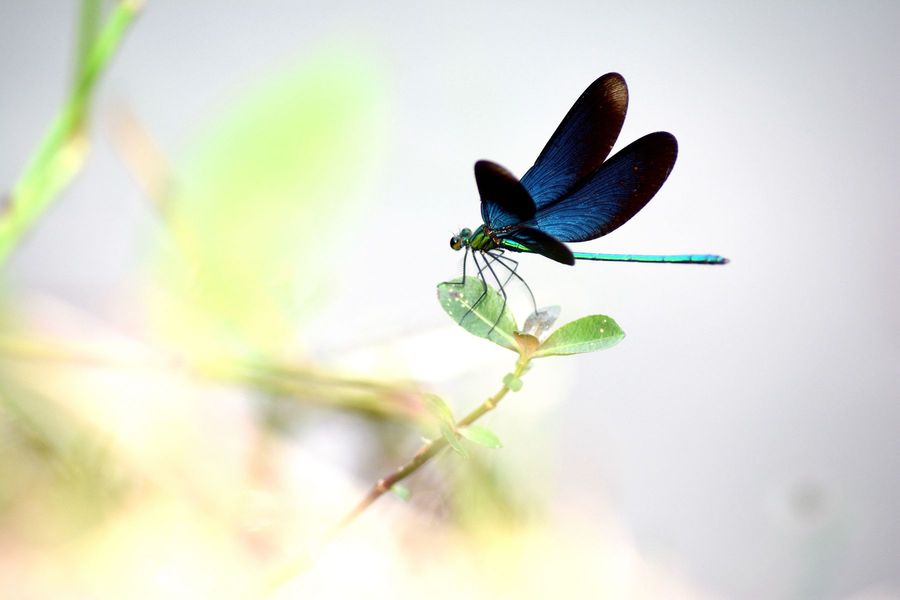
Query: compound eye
(455, 242)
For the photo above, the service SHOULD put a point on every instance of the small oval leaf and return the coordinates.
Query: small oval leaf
(596, 332)
(453, 439)
(439, 409)
(481, 436)
(479, 309)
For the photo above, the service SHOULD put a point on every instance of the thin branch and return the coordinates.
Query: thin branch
(428, 451)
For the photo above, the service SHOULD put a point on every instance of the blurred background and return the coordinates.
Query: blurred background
(218, 335)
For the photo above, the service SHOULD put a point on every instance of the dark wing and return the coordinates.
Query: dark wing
(504, 201)
(581, 142)
(539, 242)
(613, 194)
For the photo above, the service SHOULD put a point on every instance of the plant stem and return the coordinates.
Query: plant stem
(428, 451)
(88, 26)
(63, 149)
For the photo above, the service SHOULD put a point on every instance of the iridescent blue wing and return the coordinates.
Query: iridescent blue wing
(581, 142)
(537, 241)
(613, 194)
(504, 201)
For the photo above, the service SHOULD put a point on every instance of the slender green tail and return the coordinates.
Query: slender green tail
(697, 259)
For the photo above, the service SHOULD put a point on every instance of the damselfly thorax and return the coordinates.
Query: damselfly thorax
(493, 265)
(482, 239)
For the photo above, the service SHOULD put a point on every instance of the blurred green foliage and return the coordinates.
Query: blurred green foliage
(63, 149)
(268, 193)
(58, 477)
(265, 196)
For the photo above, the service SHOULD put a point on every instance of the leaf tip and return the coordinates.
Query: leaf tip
(481, 436)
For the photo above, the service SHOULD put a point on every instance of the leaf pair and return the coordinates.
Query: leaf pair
(446, 426)
(481, 311)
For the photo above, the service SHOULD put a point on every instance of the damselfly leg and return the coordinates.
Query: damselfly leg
(502, 259)
(485, 269)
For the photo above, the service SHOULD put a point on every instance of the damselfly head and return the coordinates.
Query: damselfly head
(461, 239)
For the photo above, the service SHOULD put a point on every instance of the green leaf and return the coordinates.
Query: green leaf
(437, 415)
(439, 409)
(481, 435)
(512, 382)
(486, 316)
(267, 195)
(401, 491)
(452, 438)
(596, 332)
